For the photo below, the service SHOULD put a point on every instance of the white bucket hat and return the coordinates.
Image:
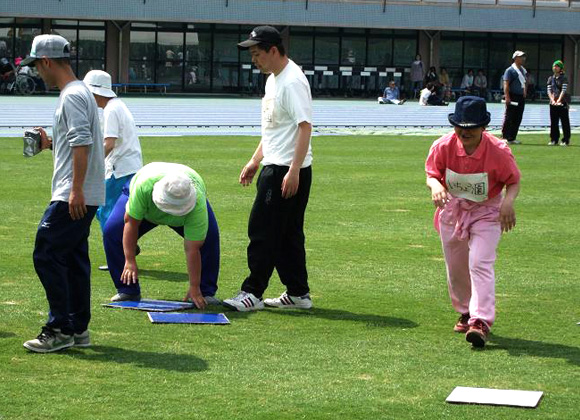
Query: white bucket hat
(175, 194)
(99, 83)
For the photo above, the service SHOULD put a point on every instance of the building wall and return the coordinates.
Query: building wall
(430, 23)
(507, 16)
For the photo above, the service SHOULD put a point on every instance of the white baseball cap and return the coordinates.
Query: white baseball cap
(47, 46)
(99, 83)
(175, 194)
(518, 53)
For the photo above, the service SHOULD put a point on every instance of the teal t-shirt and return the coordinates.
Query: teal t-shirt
(140, 205)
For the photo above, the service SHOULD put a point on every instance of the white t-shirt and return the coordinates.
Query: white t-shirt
(425, 93)
(287, 103)
(125, 158)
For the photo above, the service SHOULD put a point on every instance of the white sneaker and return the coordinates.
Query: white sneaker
(290, 302)
(244, 302)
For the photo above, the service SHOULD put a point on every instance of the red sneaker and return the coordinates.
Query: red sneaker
(461, 326)
(477, 333)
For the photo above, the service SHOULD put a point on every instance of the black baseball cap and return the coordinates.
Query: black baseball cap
(261, 35)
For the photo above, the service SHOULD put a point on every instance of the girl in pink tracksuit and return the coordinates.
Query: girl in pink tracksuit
(467, 171)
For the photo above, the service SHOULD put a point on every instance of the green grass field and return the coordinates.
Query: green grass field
(379, 343)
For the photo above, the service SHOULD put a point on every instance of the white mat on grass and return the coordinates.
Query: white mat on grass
(513, 398)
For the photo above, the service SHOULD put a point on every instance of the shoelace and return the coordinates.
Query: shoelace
(241, 296)
(46, 334)
(481, 325)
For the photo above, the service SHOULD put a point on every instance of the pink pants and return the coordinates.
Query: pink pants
(470, 233)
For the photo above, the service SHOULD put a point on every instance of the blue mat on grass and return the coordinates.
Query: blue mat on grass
(152, 305)
(187, 318)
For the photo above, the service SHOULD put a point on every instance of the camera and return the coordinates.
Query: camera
(31, 143)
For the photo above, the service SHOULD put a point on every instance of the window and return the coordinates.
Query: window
(6, 42)
(326, 50)
(353, 51)
(300, 49)
(87, 44)
(475, 54)
(404, 50)
(23, 39)
(170, 59)
(380, 52)
(197, 60)
(91, 48)
(142, 55)
(225, 60)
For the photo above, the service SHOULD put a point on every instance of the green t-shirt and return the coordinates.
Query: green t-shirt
(140, 205)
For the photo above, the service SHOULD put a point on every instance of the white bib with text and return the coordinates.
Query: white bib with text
(473, 187)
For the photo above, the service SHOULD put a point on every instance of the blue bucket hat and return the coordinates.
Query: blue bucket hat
(470, 112)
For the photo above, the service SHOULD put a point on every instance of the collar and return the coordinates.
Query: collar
(479, 152)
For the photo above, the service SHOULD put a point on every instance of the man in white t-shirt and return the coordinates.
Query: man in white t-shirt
(276, 226)
(122, 147)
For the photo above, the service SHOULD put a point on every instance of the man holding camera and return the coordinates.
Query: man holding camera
(61, 253)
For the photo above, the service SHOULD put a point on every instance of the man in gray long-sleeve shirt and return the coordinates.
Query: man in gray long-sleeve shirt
(61, 256)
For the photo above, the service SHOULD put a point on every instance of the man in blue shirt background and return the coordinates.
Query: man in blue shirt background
(391, 95)
(514, 88)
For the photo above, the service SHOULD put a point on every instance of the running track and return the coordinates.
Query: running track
(155, 115)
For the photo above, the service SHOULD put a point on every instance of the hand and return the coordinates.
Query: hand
(439, 196)
(194, 295)
(507, 216)
(290, 183)
(508, 101)
(130, 273)
(76, 205)
(248, 172)
(45, 141)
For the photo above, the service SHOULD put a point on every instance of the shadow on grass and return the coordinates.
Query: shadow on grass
(165, 275)
(146, 359)
(370, 320)
(519, 347)
(6, 334)
(543, 144)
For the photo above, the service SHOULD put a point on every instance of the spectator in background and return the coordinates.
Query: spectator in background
(480, 84)
(30, 72)
(467, 82)
(169, 56)
(7, 74)
(3, 49)
(429, 96)
(391, 95)
(515, 91)
(530, 86)
(417, 72)
(559, 108)
(431, 76)
(445, 84)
